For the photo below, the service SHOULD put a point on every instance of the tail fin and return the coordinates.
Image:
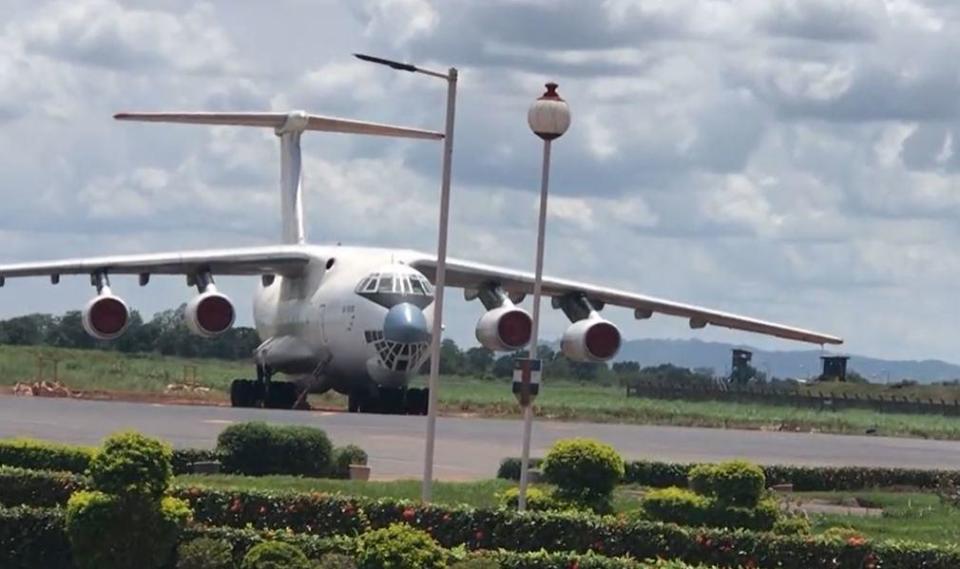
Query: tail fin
(289, 127)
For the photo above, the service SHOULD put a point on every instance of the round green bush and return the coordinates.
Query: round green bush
(205, 553)
(737, 482)
(258, 449)
(676, 505)
(123, 532)
(583, 467)
(130, 463)
(538, 499)
(399, 546)
(344, 456)
(275, 555)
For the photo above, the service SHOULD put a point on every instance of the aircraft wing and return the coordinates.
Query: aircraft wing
(281, 260)
(469, 275)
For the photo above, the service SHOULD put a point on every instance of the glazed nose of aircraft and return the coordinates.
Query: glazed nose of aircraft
(406, 324)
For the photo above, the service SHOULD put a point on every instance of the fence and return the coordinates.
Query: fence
(795, 398)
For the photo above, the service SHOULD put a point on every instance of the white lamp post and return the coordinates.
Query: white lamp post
(451, 78)
(549, 118)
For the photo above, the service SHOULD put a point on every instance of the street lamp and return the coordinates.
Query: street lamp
(549, 118)
(441, 278)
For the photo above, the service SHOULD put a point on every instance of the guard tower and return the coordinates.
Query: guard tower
(835, 367)
(740, 370)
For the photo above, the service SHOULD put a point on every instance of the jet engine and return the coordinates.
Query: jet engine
(209, 314)
(504, 329)
(591, 340)
(106, 317)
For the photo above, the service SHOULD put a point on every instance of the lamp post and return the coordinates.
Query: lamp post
(549, 118)
(441, 278)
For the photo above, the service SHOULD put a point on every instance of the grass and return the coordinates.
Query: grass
(907, 515)
(480, 494)
(143, 373)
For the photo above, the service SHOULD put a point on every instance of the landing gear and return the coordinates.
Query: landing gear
(390, 401)
(262, 392)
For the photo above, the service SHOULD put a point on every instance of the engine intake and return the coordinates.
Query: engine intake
(591, 340)
(106, 317)
(210, 314)
(504, 329)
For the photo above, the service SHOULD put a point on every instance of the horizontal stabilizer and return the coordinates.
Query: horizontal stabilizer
(297, 120)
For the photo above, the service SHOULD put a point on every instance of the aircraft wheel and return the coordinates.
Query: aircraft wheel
(281, 395)
(241, 393)
(417, 401)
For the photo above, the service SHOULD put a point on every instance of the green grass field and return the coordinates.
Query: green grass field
(109, 371)
(907, 515)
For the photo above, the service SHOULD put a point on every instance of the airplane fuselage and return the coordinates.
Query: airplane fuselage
(329, 321)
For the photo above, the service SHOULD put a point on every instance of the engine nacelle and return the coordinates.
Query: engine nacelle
(591, 340)
(106, 317)
(210, 314)
(504, 329)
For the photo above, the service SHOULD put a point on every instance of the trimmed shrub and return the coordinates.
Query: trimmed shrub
(678, 506)
(205, 553)
(183, 458)
(123, 532)
(41, 455)
(803, 478)
(37, 488)
(275, 555)
(792, 525)
(738, 483)
(538, 499)
(477, 563)
(344, 456)
(258, 449)
(584, 471)
(33, 538)
(399, 546)
(131, 463)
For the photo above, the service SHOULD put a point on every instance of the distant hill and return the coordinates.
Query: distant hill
(801, 363)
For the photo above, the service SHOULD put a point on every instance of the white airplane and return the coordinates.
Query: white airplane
(356, 319)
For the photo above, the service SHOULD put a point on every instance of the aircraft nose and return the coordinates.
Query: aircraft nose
(406, 324)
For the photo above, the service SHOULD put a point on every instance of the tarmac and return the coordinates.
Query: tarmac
(466, 447)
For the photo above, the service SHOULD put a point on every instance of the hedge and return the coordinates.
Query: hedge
(31, 538)
(37, 488)
(41, 455)
(803, 478)
(326, 515)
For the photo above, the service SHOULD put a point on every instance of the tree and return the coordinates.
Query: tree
(626, 368)
(477, 361)
(503, 366)
(451, 358)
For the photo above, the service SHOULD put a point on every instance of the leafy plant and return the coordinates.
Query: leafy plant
(205, 553)
(275, 555)
(344, 456)
(336, 561)
(399, 546)
(131, 463)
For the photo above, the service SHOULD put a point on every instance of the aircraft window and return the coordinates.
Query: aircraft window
(371, 285)
(417, 286)
(386, 284)
(426, 285)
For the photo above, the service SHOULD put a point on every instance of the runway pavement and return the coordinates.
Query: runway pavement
(467, 448)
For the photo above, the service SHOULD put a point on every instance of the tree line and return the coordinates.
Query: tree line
(166, 333)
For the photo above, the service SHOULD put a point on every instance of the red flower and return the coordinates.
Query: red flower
(262, 510)
(575, 564)
(856, 540)
(236, 506)
(409, 514)
(478, 535)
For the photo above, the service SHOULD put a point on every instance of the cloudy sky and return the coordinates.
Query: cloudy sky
(788, 160)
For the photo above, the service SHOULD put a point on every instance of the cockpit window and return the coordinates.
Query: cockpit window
(390, 288)
(386, 283)
(417, 286)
